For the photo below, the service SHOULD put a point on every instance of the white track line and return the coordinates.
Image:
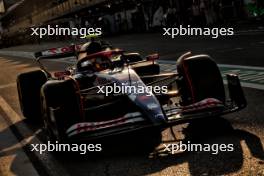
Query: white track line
(220, 65)
(244, 84)
(52, 166)
(13, 116)
(250, 85)
(241, 66)
(23, 54)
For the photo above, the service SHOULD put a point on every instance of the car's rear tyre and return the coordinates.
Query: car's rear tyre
(61, 108)
(28, 87)
(200, 78)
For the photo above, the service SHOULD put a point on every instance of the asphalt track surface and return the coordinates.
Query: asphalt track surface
(243, 129)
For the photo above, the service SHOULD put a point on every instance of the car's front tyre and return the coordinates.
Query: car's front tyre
(61, 107)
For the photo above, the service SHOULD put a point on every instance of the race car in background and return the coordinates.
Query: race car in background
(71, 108)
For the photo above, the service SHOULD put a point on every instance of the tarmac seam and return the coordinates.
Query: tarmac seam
(7, 85)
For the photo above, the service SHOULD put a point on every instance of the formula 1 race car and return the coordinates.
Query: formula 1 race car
(81, 103)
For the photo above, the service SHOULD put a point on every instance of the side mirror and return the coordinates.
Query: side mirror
(152, 57)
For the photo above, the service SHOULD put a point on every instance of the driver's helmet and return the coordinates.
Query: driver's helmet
(93, 47)
(89, 48)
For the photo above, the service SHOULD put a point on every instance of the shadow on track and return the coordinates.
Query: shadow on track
(130, 154)
(124, 154)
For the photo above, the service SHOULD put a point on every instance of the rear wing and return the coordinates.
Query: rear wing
(70, 50)
(60, 52)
